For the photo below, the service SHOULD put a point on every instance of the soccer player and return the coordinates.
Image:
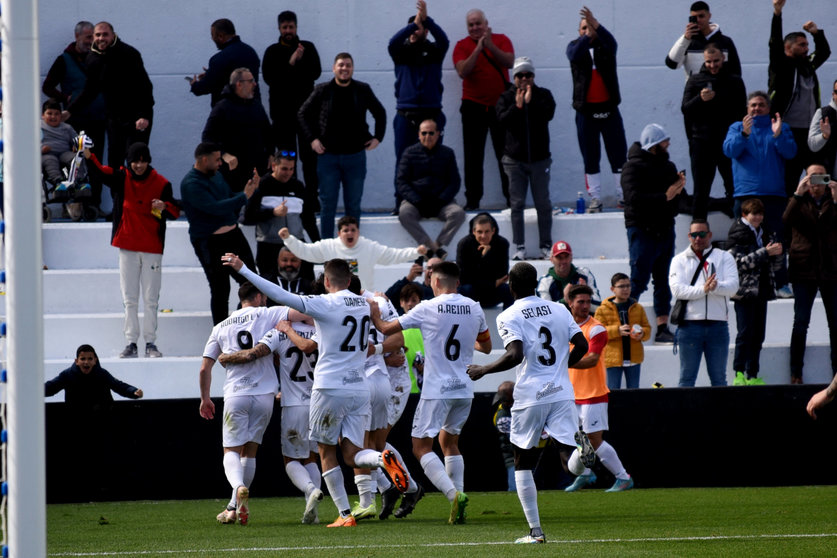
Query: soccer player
(590, 384)
(452, 327)
(295, 343)
(249, 390)
(339, 410)
(537, 333)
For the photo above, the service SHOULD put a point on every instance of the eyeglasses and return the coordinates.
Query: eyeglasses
(625, 286)
(835, 91)
(287, 153)
(699, 234)
(428, 133)
(247, 80)
(526, 75)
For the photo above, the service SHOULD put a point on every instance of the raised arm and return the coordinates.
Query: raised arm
(272, 290)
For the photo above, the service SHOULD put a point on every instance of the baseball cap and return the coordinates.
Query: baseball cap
(561, 247)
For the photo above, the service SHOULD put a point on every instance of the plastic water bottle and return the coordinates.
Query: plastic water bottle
(579, 203)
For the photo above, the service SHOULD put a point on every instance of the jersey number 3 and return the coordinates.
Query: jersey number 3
(550, 357)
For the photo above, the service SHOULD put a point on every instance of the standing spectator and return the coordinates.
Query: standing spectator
(361, 253)
(563, 274)
(756, 255)
(115, 70)
(212, 210)
(653, 190)
(289, 68)
(596, 99)
(525, 111)
(428, 182)
(812, 219)
(65, 81)
(142, 202)
(820, 139)
(627, 327)
(589, 382)
(700, 31)
(233, 53)
(276, 204)
(425, 290)
(483, 257)
(333, 121)
(418, 81)
(713, 99)
(704, 329)
(759, 147)
(793, 85)
(482, 60)
(239, 125)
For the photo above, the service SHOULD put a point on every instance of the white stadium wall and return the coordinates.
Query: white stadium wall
(173, 38)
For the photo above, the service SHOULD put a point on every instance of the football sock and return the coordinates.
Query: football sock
(334, 481)
(299, 476)
(411, 486)
(594, 184)
(528, 495)
(314, 473)
(610, 460)
(367, 459)
(233, 469)
(455, 468)
(364, 490)
(617, 178)
(575, 465)
(248, 465)
(381, 480)
(435, 471)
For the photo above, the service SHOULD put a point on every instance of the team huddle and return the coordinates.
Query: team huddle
(344, 384)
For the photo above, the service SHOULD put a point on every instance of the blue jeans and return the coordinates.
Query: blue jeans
(614, 376)
(650, 257)
(332, 169)
(804, 293)
(698, 338)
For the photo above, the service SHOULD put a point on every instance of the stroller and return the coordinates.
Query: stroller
(72, 192)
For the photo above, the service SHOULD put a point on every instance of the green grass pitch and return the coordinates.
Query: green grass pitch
(781, 522)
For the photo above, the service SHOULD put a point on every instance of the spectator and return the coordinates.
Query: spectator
(87, 385)
(58, 146)
(212, 210)
(115, 70)
(232, 54)
(793, 85)
(704, 329)
(239, 125)
(290, 275)
(812, 219)
(425, 291)
(143, 201)
(627, 327)
(413, 343)
(483, 258)
(524, 111)
(653, 191)
(700, 32)
(333, 121)
(418, 81)
(277, 203)
(564, 274)
(361, 253)
(65, 81)
(428, 182)
(713, 99)
(596, 99)
(757, 255)
(820, 139)
(482, 60)
(759, 148)
(289, 68)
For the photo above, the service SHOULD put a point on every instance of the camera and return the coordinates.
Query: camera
(820, 179)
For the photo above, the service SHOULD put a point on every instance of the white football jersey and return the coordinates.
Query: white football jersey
(545, 329)
(388, 313)
(449, 325)
(296, 369)
(242, 330)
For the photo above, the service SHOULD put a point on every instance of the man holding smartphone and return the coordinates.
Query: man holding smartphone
(688, 49)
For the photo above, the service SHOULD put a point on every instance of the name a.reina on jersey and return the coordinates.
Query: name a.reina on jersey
(548, 389)
(536, 311)
(453, 309)
(359, 301)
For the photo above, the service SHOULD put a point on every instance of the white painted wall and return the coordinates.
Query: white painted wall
(173, 38)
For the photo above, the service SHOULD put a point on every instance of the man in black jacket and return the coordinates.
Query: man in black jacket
(524, 111)
(333, 121)
(713, 99)
(232, 53)
(428, 182)
(483, 258)
(652, 188)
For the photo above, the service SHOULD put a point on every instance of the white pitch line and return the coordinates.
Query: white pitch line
(456, 544)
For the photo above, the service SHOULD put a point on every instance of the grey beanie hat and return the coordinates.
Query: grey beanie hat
(652, 135)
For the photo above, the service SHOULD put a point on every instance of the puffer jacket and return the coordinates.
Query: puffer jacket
(756, 268)
(608, 315)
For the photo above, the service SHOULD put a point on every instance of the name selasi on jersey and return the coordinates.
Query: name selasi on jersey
(449, 324)
(296, 369)
(545, 329)
(242, 330)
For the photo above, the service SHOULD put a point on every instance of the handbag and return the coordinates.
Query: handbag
(678, 312)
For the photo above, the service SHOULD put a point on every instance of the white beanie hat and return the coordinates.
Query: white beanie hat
(522, 64)
(652, 135)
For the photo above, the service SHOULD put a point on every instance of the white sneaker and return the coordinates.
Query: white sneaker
(546, 253)
(520, 254)
(595, 206)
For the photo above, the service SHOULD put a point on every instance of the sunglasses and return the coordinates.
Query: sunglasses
(528, 75)
(699, 234)
(428, 133)
(287, 153)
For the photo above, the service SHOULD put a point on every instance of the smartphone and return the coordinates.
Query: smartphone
(709, 86)
(820, 179)
(693, 19)
(419, 260)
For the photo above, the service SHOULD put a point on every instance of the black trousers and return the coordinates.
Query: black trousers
(477, 121)
(209, 251)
